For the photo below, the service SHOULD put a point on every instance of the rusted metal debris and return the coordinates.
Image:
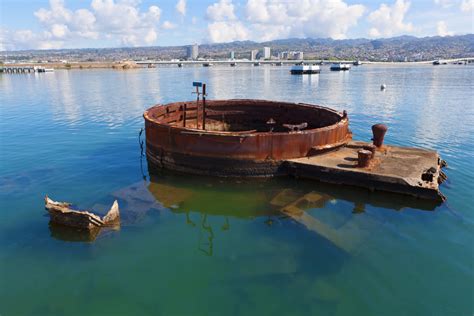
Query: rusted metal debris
(62, 213)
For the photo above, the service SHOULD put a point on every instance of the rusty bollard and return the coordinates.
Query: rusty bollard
(371, 148)
(364, 157)
(378, 130)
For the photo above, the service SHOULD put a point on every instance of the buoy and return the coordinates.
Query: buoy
(383, 86)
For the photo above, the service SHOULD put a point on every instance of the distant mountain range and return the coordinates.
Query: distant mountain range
(402, 48)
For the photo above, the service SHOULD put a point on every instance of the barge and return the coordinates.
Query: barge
(260, 138)
(305, 69)
(340, 67)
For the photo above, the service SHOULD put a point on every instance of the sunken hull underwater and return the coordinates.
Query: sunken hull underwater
(239, 137)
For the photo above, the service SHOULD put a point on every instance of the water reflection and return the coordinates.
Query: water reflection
(336, 213)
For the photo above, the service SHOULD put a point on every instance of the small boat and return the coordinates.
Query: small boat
(233, 64)
(256, 64)
(207, 65)
(180, 65)
(305, 69)
(440, 62)
(357, 63)
(340, 66)
(62, 213)
(279, 63)
(48, 69)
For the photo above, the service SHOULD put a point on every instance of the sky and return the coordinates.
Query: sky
(50, 24)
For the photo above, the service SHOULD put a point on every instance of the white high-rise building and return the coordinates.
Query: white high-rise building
(193, 52)
(253, 54)
(266, 53)
(232, 55)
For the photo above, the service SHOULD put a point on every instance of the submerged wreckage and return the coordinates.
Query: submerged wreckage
(244, 138)
(63, 213)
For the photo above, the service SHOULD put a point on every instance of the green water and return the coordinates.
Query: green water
(205, 246)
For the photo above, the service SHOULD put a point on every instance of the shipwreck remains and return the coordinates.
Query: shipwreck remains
(240, 138)
(62, 213)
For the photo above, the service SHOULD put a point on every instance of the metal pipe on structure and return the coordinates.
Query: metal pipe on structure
(197, 106)
(204, 106)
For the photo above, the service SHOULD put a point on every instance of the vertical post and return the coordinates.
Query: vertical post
(204, 106)
(184, 115)
(197, 108)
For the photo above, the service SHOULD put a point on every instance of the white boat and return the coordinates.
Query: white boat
(340, 66)
(207, 64)
(440, 62)
(48, 69)
(305, 69)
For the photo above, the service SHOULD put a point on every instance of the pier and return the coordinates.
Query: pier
(23, 69)
(280, 62)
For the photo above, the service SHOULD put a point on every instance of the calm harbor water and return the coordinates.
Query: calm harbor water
(205, 246)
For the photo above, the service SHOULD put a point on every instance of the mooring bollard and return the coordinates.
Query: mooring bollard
(364, 157)
(378, 131)
(371, 148)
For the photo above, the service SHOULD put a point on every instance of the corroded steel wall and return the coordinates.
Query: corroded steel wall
(178, 144)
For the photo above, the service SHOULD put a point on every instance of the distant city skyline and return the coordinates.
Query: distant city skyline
(27, 24)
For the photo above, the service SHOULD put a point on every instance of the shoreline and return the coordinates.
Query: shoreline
(153, 64)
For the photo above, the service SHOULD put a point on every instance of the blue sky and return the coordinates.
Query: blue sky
(43, 24)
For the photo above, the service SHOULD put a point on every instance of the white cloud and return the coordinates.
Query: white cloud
(27, 39)
(59, 30)
(151, 36)
(467, 5)
(272, 19)
(181, 7)
(167, 25)
(444, 3)
(442, 29)
(119, 21)
(221, 11)
(302, 18)
(389, 20)
(224, 26)
(227, 31)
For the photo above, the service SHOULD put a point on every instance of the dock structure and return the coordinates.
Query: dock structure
(405, 170)
(22, 69)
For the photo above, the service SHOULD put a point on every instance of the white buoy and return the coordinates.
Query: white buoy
(383, 86)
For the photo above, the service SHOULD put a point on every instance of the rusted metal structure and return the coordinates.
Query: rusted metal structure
(269, 138)
(239, 137)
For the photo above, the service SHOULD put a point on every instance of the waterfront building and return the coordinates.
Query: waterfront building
(192, 52)
(299, 55)
(266, 53)
(253, 54)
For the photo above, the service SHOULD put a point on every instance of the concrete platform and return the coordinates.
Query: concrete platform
(405, 170)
